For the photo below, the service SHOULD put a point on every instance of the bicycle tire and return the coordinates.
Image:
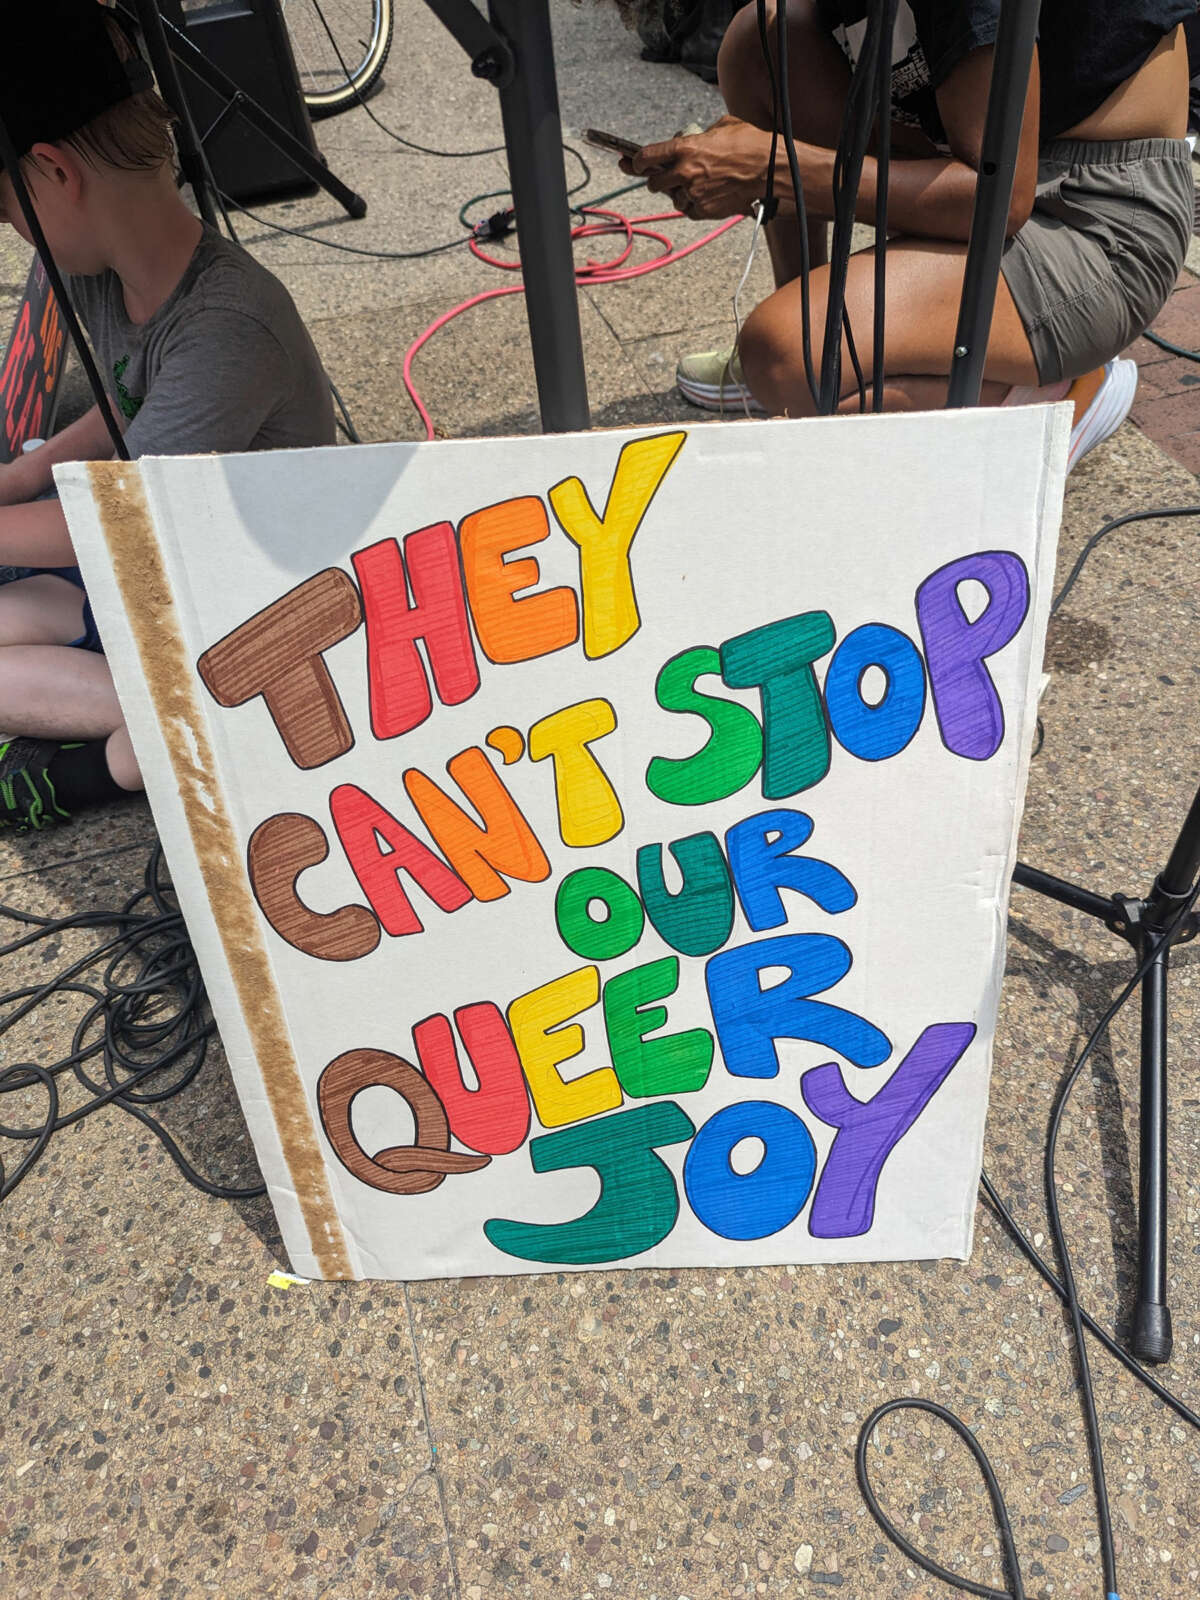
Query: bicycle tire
(342, 75)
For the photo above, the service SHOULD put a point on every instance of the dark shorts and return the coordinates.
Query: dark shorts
(89, 639)
(1100, 255)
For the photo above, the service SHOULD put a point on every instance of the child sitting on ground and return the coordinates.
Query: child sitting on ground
(203, 349)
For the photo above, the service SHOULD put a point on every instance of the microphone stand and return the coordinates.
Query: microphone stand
(1144, 923)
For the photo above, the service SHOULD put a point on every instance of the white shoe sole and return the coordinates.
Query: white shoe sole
(1108, 410)
(731, 399)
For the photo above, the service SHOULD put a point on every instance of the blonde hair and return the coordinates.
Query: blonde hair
(135, 135)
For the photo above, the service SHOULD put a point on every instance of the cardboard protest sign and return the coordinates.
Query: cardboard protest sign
(597, 847)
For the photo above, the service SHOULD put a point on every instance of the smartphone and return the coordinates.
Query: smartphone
(611, 141)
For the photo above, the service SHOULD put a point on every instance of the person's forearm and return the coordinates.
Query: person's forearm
(87, 439)
(35, 536)
(932, 197)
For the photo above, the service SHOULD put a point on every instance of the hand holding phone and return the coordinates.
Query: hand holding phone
(612, 142)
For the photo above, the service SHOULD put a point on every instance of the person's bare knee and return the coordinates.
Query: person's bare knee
(43, 609)
(54, 692)
(772, 360)
(818, 75)
(742, 72)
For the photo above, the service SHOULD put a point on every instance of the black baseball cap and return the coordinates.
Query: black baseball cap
(59, 68)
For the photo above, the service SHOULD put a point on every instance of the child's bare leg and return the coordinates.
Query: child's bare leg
(122, 762)
(63, 743)
(41, 610)
(54, 692)
(48, 691)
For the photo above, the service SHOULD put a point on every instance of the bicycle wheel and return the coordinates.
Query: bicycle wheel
(340, 48)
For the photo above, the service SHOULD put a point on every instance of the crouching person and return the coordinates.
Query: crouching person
(202, 350)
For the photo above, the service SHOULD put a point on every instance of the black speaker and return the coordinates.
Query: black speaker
(248, 41)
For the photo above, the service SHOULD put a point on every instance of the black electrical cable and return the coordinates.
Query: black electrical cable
(500, 194)
(1082, 560)
(857, 119)
(956, 1580)
(1102, 533)
(146, 1024)
(770, 204)
(1117, 1351)
(346, 423)
(1067, 1291)
(1169, 344)
(856, 130)
(425, 150)
(789, 144)
(346, 249)
(410, 144)
(12, 165)
(883, 160)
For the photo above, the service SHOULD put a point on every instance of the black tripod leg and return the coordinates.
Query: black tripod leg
(1152, 1317)
(168, 46)
(274, 132)
(191, 158)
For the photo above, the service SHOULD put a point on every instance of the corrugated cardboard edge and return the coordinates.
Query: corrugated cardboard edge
(150, 609)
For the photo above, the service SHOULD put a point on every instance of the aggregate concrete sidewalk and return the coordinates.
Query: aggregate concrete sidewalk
(173, 1426)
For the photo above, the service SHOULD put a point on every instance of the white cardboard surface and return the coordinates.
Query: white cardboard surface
(749, 526)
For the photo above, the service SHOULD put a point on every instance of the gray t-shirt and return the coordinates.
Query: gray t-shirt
(224, 365)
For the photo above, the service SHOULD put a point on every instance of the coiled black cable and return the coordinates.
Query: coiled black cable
(147, 1026)
(918, 1557)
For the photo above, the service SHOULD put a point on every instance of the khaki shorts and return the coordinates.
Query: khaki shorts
(1094, 264)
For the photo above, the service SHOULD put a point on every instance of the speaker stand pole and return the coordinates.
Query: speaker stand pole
(1011, 66)
(514, 52)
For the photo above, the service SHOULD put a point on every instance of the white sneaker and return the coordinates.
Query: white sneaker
(714, 381)
(1110, 406)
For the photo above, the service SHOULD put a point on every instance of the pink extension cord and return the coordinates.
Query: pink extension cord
(612, 271)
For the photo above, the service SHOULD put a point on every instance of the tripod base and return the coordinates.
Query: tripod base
(1152, 1339)
(1151, 926)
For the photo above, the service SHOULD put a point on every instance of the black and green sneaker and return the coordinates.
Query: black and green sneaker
(27, 797)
